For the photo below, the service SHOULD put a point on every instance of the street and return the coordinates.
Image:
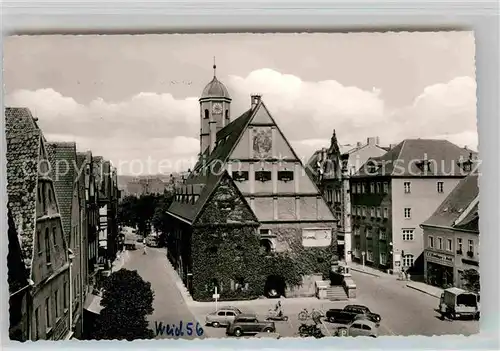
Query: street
(169, 306)
(404, 311)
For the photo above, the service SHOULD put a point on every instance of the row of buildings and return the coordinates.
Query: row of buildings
(408, 207)
(62, 230)
(250, 210)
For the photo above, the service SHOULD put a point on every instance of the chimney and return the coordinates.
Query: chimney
(213, 134)
(372, 140)
(358, 144)
(255, 99)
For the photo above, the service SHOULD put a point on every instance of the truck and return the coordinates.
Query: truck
(459, 303)
(351, 312)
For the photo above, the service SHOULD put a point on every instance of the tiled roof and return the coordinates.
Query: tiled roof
(456, 203)
(227, 138)
(205, 186)
(62, 156)
(23, 148)
(402, 160)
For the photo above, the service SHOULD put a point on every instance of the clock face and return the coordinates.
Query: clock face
(217, 108)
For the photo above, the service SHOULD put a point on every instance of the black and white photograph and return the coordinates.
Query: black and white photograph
(198, 186)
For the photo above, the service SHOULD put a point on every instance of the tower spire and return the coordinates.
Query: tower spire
(214, 67)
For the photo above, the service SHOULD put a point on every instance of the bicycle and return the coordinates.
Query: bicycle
(305, 314)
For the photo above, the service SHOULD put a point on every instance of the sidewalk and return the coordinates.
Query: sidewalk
(121, 258)
(426, 289)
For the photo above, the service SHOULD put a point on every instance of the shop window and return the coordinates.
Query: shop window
(369, 256)
(383, 258)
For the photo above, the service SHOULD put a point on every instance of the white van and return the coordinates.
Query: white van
(460, 303)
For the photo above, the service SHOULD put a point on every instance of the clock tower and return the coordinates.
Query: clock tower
(215, 112)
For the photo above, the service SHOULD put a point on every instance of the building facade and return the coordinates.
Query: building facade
(292, 215)
(393, 194)
(451, 236)
(332, 169)
(37, 221)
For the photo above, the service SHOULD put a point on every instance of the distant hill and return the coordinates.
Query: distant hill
(123, 180)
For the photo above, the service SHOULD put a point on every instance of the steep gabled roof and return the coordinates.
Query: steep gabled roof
(17, 275)
(227, 139)
(62, 157)
(204, 186)
(24, 142)
(460, 208)
(402, 160)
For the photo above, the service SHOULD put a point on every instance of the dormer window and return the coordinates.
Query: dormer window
(263, 176)
(240, 176)
(285, 176)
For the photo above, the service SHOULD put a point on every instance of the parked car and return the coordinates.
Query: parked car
(223, 316)
(348, 314)
(249, 324)
(140, 239)
(360, 327)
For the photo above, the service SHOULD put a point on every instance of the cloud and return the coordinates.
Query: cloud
(161, 127)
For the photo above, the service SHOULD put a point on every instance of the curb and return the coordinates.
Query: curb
(411, 286)
(365, 272)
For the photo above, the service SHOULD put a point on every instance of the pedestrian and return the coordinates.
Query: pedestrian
(144, 252)
(442, 310)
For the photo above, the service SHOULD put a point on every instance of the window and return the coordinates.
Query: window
(372, 212)
(221, 313)
(431, 242)
(227, 114)
(356, 230)
(386, 212)
(39, 242)
(47, 312)
(459, 246)
(47, 245)
(353, 188)
(240, 176)
(407, 186)
(56, 303)
(359, 188)
(378, 212)
(363, 188)
(65, 295)
(263, 176)
(440, 243)
(440, 187)
(285, 176)
(408, 260)
(39, 195)
(408, 234)
(382, 235)
(44, 204)
(383, 258)
(372, 188)
(368, 232)
(407, 212)
(363, 211)
(386, 187)
(379, 188)
(449, 245)
(471, 246)
(369, 256)
(206, 114)
(50, 195)
(37, 323)
(54, 236)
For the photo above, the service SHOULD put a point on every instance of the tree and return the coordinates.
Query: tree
(161, 220)
(127, 300)
(127, 211)
(471, 280)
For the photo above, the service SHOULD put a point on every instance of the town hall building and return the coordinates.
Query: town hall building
(269, 232)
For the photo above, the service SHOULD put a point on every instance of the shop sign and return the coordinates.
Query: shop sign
(439, 258)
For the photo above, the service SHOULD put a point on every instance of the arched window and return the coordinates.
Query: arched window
(206, 113)
(266, 246)
(227, 114)
(47, 245)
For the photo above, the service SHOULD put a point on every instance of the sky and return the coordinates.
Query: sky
(133, 99)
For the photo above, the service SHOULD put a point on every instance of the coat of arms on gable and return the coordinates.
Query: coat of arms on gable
(262, 142)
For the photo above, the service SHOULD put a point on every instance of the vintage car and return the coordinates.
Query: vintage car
(249, 324)
(349, 313)
(223, 316)
(360, 327)
(460, 303)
